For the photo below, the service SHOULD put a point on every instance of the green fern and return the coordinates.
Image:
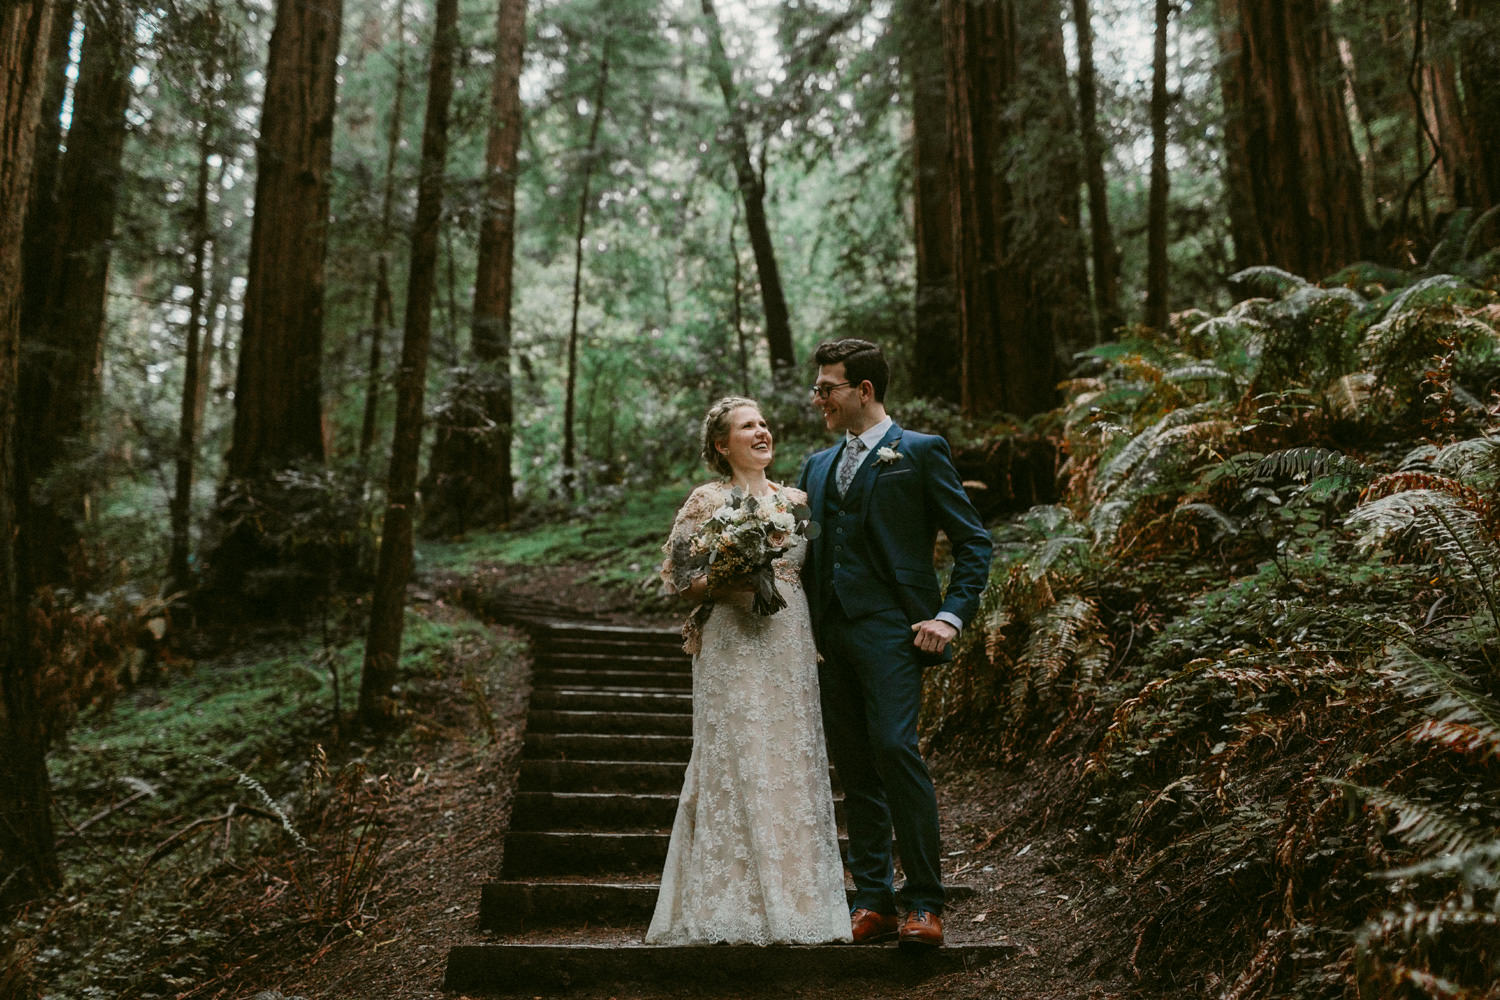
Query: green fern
(1266, 279)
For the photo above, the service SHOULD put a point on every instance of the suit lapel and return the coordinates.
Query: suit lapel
(869, 473)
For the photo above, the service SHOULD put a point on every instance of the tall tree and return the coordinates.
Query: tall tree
(1106, 257)
(388, 604)
(935, 373)
(1156, 224)
(752, 185)
(382, 309)
(278, 406)
(278, 416)
(1291, 169)
(64, 331)
(203, 80)
(1479, 68)
(28, 855)
(570, 389)
(1019, 264)
(469, 478)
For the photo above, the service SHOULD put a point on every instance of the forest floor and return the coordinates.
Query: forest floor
(445, 835)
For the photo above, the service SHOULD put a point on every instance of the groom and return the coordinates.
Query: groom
(881, 494)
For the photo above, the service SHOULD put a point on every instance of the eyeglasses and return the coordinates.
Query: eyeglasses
(824, 391)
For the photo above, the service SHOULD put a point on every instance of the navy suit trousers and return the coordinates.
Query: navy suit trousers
(872, 693)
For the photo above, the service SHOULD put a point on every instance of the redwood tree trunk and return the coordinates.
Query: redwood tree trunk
(388, 603)
(469, 479)
(65, 328)
(1156, 225)
(1019, 265)
(753, 191)
(382, 308)
(570, 389)
(1106, 257)
(1480, 73)
(935, 363)
(278, 414)
(28, 855)
(1293, 175)
(187, 426)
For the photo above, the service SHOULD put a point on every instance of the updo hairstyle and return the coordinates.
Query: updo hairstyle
(716, 431)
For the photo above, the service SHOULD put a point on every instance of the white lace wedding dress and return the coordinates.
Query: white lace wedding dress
(754, 855)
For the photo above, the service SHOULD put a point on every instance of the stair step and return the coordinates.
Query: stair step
(581, 633)
(585, 700)
(612, 680)
(551, 852)
(548, 720)
(580, 852)
(607, 746)
(601, 776)
(593, 811)
(625, 812)
(605, 659)
(549, 968)
(534, 904)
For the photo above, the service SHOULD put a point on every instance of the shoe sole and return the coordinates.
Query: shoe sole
(914, 944)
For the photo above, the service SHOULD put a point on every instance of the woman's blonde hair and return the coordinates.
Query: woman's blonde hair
(716, 431)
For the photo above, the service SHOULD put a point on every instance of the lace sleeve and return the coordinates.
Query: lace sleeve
(679, 567)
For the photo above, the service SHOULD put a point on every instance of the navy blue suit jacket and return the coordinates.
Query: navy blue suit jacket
(906, 502)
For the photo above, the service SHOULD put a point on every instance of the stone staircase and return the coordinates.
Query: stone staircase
(608, 738)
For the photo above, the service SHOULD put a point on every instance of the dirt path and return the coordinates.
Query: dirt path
(449, 805)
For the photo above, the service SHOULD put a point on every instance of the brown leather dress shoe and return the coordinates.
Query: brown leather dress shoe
(922, 929)
(868, 926)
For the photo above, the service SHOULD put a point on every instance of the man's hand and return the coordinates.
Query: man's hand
(933, 636)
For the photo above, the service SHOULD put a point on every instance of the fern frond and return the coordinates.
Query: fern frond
(1447, 523)
(1475, 231)
(1106, 520)
(1197, 371)
(1303, 301)
(1463, 717)
(1478, 868)
(1056, 639)
(1223, 524)
(1398, 482)
(1475, 460)
(1418, 823)
(1267, 279)
(1304, 464)
(1426, 284)
(1349, 394)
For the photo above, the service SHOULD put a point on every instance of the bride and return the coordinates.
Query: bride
(754, 855)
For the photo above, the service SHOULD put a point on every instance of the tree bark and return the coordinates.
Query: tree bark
(469, 478)
(1292, 172)
(752, 187)
(936, 364)
(65, 329)
(28, 854)
(178, 570)
(382, 308)
(1019, 262)
(1156, 224)
(278, 417)
(570, 390)
(1479, 69)
(1106, 256)
(388, 603)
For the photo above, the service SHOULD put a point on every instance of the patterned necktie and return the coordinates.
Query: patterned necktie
(849, 464)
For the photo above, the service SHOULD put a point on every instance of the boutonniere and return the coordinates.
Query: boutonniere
(887, 455)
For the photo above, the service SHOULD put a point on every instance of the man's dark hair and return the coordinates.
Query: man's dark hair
(863, 362)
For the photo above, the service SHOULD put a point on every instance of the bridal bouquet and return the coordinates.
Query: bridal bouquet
(743, 538)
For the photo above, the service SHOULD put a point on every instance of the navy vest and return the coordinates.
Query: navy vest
(851, 577)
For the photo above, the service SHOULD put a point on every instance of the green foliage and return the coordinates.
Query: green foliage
(201, 811)
(1262, 629)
